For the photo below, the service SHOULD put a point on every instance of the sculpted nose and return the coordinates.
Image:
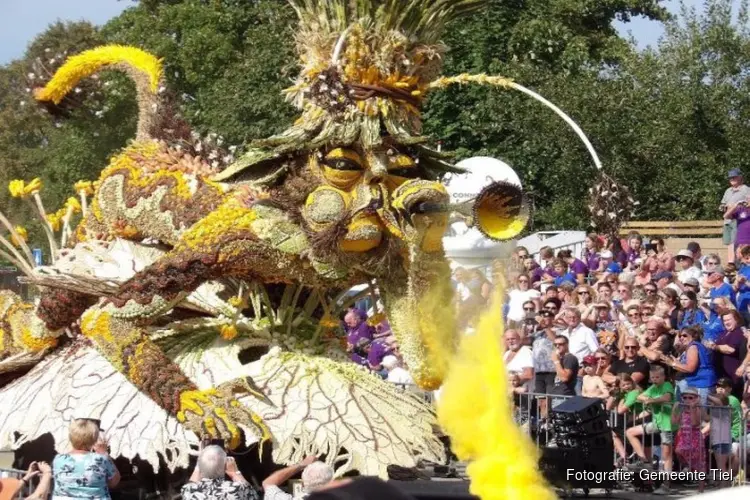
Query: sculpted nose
(377, 168)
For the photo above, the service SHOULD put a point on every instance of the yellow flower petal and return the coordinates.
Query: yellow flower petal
(74, 204)
(22, 234)
(86, 187)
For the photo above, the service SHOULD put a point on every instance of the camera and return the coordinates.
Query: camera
(650, 247)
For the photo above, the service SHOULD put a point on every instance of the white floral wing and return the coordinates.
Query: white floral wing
(77, 382)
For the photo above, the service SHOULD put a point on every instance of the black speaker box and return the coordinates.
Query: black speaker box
(555, 464)
(587, 444)
(596, 426)
(574, 411)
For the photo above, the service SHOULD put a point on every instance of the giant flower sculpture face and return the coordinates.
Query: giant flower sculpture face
(377, 192)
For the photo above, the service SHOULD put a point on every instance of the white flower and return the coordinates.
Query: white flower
(612, 215)
(605, 193)
(600, 213)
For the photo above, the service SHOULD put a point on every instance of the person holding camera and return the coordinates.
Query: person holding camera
(209, 478)
(735, 196)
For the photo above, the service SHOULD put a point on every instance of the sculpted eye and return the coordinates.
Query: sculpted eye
(343, 160)
(409, 173)
(401, 165)
(343, 164)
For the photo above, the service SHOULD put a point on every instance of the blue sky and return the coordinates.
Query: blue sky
(22, 19)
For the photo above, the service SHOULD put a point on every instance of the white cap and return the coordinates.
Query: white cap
(606, 254)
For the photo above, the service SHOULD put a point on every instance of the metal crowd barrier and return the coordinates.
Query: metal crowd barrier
(18, 474)
(532, 411)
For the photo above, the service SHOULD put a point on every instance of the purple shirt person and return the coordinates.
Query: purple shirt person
(592, 260)
(358, 334)
(579, 267)
(727, 364)
(742, 216)
(378, 350)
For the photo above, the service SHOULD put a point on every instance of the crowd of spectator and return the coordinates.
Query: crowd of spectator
(660, 338)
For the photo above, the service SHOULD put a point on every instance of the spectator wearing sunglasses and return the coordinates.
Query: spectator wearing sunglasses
(520, 295)
(631, 363)
(693, 366)
(632, 325)
(566, 368)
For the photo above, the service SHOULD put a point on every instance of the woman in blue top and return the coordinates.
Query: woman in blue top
(86, 471)
(689, 313)
(695, 365)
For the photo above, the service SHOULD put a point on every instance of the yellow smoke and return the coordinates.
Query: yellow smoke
(475, 411)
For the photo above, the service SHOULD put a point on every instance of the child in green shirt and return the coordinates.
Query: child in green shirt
(658, 399)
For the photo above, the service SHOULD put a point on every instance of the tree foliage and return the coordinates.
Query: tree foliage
(667, 122)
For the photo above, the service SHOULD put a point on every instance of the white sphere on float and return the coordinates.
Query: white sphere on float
(467, 246)
(480, 172)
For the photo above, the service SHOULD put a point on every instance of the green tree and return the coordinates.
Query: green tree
(228, 60)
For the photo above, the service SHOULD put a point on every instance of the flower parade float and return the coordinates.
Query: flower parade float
(179, 268)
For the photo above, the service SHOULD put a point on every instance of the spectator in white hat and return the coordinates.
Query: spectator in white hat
(687, 268)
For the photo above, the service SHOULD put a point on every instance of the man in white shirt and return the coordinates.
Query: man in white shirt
(315, 475)
(581, 339)
(687, 268)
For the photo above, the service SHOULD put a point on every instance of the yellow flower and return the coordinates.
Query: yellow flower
(19, 189)
(85, 187)
(236, 301)
(376, 319)
(328, 321)
(89, 62)
(22, 234)
(54, 221)
(72, 203)
(229, 332)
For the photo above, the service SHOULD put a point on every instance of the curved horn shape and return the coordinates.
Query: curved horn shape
(498, 81)
(340, 46)
(145, 69)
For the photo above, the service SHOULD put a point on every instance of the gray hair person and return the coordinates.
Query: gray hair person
(209, 479)
(316, 475)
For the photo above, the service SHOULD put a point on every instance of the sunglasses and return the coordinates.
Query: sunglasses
(601, 358)
(522, 255)
(523, 281)
(628, 347)
(633, 315)
(583, 292)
